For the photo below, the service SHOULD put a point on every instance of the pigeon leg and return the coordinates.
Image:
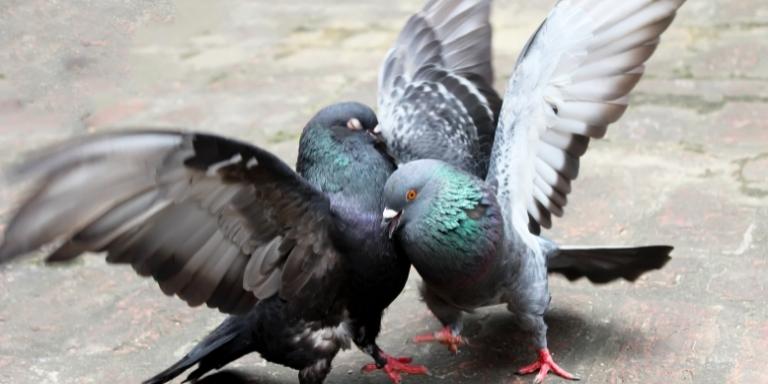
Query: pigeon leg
(544, 365)
(394, 366)
(532, 320)
(447, 336)
(365, 330)
(449, 316)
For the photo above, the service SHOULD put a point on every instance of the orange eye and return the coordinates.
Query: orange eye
(410, 195)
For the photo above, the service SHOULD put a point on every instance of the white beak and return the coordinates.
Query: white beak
(377, 129)
(390, 214)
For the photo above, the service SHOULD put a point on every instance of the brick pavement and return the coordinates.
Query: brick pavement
(686, 166)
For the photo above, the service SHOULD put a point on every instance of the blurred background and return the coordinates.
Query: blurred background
(687, 165)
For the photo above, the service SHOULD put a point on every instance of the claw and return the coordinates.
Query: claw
(544, 365)
(444, 336)
(395, 366)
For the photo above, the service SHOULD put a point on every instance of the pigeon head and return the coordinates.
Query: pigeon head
(426, 190)
(338, 154)
(351, 115)
(410, 192)
(435, 209)
(336, 131)
(344, 121)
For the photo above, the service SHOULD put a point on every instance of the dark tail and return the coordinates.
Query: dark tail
(602, 265)
(228, 342)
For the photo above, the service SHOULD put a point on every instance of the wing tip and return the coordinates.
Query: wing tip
(6, 253)
(66, 252)
(10, 252)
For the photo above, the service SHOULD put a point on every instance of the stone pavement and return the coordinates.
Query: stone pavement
(687, 165)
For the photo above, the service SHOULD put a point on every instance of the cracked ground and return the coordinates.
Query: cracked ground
(687, 165)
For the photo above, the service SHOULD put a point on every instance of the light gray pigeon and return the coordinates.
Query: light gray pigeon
(461, 228)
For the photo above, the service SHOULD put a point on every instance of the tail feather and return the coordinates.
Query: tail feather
(606, 264)
(228, 342)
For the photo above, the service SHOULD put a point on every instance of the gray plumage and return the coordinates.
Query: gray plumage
(571, 81)
(298, 259)
(435, 87)
(180, 207)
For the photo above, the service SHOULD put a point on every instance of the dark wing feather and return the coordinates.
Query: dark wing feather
(606, 264)
(455, 34)
(435, 94)
(212, 220)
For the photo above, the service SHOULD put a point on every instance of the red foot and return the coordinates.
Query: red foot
(544, 365)
(397, 365)
(444, 336)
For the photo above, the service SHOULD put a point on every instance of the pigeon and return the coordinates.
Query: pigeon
(299, 260)
(475, 237)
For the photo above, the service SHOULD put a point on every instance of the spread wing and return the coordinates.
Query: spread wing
(572, 81)
(435, 86)
(212, 220)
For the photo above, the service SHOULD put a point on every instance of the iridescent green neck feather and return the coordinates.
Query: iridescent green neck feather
(458, 229)
(448, 214)
(344, 163)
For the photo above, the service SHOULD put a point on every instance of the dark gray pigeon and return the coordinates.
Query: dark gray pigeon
(474, 238)
(299, 260)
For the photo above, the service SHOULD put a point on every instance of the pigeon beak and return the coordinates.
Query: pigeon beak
(390, 218)
(376, 134)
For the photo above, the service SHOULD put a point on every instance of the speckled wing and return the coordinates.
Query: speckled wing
(435, 87)
(571, 82)
(212, 220)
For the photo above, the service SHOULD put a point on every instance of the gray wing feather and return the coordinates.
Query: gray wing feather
(435, 94)
(456, 34)
(196, 212)
(571, 81)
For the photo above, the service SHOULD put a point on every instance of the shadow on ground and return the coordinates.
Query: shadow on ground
(495, 345)
(238, 376)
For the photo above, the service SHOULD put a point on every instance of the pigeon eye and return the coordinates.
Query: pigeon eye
(410, 195)
(354, 124)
